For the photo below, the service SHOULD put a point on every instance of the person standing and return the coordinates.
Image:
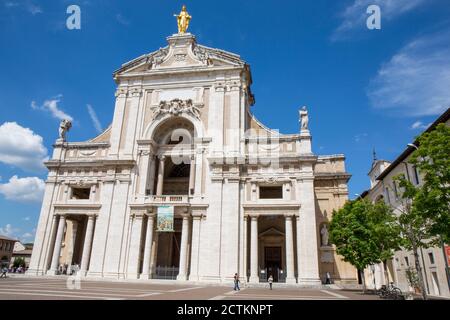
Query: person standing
(236, 282)
(328, 278)
(270, 281)
(4, 271)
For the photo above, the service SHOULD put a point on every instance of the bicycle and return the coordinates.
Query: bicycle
(390, 292)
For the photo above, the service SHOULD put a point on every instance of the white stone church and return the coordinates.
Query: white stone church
(244, 198)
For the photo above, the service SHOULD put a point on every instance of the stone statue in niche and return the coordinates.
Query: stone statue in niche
(324, 236)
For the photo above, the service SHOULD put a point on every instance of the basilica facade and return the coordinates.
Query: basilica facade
(186, 184)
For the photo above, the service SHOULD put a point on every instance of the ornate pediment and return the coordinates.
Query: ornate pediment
(176, 107)
(182, 51)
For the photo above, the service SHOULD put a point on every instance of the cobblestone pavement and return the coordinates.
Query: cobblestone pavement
(64, 288)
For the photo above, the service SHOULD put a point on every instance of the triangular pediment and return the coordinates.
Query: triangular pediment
(181, 53)
(271, 232)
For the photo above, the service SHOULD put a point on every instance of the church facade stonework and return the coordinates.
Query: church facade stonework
(245, 198)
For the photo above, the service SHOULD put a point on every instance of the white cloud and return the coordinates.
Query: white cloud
(8, 230)
(420, 125)
(94, 118)
(416, 81)
(27, 236)
(51, 105)
(33, 8)
(24, 5)
(16, 233)
(29, 189)
(354, 16)
(360, 136)
(11, 4)
(122, 20)
(26, 219)
(21, 147)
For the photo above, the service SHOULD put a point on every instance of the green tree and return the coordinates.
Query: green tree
(414, 226)
(19, 262)
(364, 234)
(433, 161)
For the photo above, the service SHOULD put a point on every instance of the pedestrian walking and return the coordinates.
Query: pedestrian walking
(270, 281)
(4, 271)
(236, 282)
(328, 278)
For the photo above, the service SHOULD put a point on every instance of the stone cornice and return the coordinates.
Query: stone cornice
(54, 164)
(84, 145)
(274, 205)
(93, 206)
(332, 176)
(280, 137)
(177, 70)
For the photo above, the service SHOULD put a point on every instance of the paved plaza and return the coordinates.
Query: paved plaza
(63, 288)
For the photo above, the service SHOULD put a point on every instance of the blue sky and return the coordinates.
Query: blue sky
(364, 88)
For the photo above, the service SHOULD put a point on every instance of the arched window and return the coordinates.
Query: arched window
(174, 131)
(379, 198)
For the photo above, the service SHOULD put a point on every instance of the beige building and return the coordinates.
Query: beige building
(22, 251)
(242, 198)
(6, 250)
(432, 259)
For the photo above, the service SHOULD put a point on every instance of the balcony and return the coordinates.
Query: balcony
(167, 199)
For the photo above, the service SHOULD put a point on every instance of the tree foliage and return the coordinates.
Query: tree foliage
(365, 233)
(19, 262)
(432, 200)
(414, 226)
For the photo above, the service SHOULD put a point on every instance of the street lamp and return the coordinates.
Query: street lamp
(412, 145)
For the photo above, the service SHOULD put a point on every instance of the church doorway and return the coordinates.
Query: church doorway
(72, 244)
(168, 253)
(272, 256)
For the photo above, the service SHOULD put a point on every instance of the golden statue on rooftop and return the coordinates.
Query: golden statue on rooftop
(183, 20)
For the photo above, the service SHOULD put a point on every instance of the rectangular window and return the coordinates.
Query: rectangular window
(407, 261)
(431, 256)
(388, 198)
(81, 193)
(416, 175)
(272, 192)
(395, 190)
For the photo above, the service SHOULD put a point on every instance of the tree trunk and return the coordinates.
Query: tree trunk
(361, 272)
(419, 273)
(386, 275)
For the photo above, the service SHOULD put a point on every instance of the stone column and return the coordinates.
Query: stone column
(198, 184)
(135, 248)
(159, 187)
(150, 182)
(148, 247)
(195, 256)
(154, 255)
(143, 172)
(119, 112)
(290, 275)
(57, 248)
(70, 245)
(307, 247)
(254, 276)
(87, 245)
(182, 275)
(192, 176)
(245, 235)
